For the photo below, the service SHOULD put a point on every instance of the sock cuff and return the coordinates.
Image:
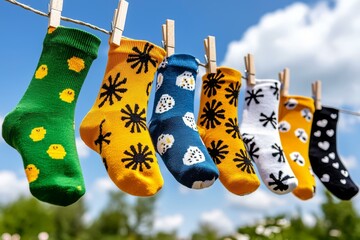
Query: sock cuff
(231, 74)
(131, 46)
(300, 101)
(265, 82)
(327, 111)
(75, 38)
(183, 60)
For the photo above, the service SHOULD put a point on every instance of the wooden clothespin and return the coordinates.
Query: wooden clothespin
(168, 32)
(284, 77)
(55, 8)
(316, 91)
(118, 23)
(250, 69)
(210, 54)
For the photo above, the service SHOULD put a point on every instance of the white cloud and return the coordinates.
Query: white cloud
(12, 187)
(168, 223)
(318, 42)
(348, 122)
(218, 220)
(104, 185)
(350, 162)
(258, 201)
(82, 149)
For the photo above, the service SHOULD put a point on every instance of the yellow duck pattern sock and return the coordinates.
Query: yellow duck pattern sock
(295, 120)
(41, 127)
(218, 127)
(116, 127)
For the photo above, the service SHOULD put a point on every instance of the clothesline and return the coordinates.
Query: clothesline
(26, 7)
(348, 112)
(62, 17)
(108, 32)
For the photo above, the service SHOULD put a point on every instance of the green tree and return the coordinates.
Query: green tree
(205, 232)
(124, 220)
(113, 220)
(69, 221)
(27, 217)
(341, 221)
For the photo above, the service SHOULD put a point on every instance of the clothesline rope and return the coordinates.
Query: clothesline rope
(62, 17)
(108, 32)
(26, 7)
(346, 111)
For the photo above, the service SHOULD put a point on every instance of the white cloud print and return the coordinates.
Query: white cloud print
(315, 42)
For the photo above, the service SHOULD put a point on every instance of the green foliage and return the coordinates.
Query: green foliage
(122, 219)
(27, 217)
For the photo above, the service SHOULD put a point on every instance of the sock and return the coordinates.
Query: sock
(115, 127)
(259, 129)
(324, 157)
(295, 119)
(220, 132)
(41, 128)
(173, 127)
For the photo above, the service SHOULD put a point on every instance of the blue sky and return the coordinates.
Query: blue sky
(316, 39)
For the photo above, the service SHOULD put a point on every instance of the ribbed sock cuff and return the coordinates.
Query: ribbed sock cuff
(75, 38)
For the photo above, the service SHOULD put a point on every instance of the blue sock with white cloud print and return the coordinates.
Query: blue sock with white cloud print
(173, 127)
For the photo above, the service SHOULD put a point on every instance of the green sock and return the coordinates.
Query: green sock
(41, 127)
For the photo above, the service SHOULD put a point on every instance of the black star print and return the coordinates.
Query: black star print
(278, 182)
(211, 114)
(247, 138)
(252, 95)
(253, 149)
(276, 90)
(245, 163)
(112, 90)
(102, 137)
(279, 153)
(142, 58)
(233, 127)
(217, 152)
(233, 91)
(138, 157)
(133, 118)
(213, 82)
(271, 119)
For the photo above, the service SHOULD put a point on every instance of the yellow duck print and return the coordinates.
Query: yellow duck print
(56, 151)
(38, 134)
(67, 95)
(51, 30)
(41, 72)
(76, 64)
(32, 173)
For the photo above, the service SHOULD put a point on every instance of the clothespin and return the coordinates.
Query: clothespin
(55, 8)
(168, 31)
(284, 77)
(118, 23)
(250, 69)
(210, 54)
(316, 91)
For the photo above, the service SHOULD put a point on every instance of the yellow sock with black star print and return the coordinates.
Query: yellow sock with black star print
(116, 128)
(295, 119)
(218, 128)
(41, 128)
